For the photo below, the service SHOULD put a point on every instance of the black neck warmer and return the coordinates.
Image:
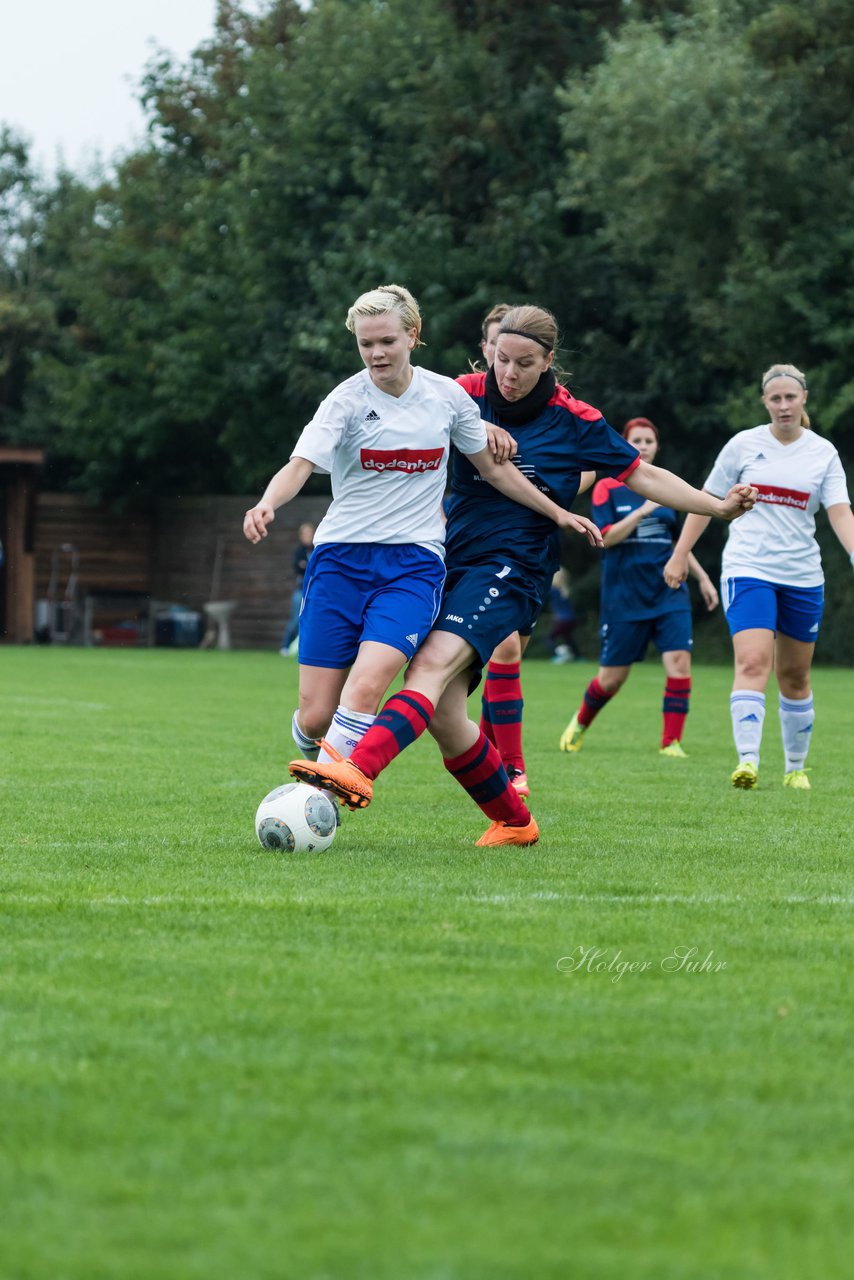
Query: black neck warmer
(515, 413)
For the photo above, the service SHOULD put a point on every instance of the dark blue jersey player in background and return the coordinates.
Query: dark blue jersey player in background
(500, 561)
(637, 604)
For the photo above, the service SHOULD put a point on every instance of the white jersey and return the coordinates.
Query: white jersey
(388, 457)
(775, 541)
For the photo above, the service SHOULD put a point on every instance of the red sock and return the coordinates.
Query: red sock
(595, 698)
(486, 726)
(675, 709)
(480, 771)
(502, 712)
(400, 721)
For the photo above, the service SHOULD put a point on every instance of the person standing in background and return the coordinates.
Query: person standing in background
(302, 550)
(637, 603)
(564, 619)
(772, 581)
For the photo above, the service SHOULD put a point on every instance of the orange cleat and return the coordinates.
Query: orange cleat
(501, 833)
(344, 779)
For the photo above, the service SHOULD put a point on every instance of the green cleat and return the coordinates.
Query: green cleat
(674, 750)
(797, 779)
(746, 776)
(570, 739)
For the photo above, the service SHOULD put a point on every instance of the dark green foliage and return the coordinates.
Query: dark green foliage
(712, 168)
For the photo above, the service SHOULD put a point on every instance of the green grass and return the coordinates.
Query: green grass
(221, 1062)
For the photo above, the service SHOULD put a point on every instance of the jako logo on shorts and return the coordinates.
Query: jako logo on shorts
(409, 460)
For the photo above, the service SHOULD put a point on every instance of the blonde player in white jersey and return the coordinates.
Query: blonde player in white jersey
(772, 584)
(374, 580)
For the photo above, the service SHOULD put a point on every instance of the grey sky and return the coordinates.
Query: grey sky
(69, 69)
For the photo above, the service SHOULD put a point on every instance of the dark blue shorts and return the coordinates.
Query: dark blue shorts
(624, 643)
(486, 603)
(793, 611)
(355, 591)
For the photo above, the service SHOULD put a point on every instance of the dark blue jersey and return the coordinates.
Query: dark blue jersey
(633, 586)
(566, 438)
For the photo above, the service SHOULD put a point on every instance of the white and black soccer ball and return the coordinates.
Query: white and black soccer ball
(296, 818)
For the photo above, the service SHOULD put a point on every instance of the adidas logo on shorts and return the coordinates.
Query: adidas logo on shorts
(373, 416)
(413, 639)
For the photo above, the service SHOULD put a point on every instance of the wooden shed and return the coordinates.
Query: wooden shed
(19, 468)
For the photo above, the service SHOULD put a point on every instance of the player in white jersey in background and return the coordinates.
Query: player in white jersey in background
(772, 585)
(374, 581)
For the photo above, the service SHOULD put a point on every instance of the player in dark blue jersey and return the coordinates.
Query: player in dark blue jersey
(500, 562)
(502, 703)
(637, 604)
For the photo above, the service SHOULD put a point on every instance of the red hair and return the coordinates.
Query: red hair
(640, 422)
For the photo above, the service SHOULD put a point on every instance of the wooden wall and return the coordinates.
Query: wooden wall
(173, 552)
(114, 550)
(200, 554)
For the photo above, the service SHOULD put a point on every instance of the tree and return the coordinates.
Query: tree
(712, 171)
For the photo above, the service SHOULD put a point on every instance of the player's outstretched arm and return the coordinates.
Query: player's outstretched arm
(671, 491)
(511, 482)
(286, 484)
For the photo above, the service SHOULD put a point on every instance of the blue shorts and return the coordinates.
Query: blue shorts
(355, 591)
(485, 603)
(624, 643)
(793, 611)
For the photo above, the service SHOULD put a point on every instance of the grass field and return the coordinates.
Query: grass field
(378, 1062)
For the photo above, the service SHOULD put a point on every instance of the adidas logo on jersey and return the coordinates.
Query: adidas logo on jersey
(760, 457)
(373, 416)
(413, 640)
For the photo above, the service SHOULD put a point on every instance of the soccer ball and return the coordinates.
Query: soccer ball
(296, 818)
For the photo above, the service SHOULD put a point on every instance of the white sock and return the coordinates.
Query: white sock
(307, 747)
(796, 721)
(747, 708)
(347, 730)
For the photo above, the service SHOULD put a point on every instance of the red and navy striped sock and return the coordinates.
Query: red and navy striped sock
(502, 712)
(486, 726)
(595, 698)
(403, 719)
(480, 771)
(674, 709)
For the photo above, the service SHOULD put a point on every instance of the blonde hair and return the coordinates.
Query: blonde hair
(786, 371)
(387, 299)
